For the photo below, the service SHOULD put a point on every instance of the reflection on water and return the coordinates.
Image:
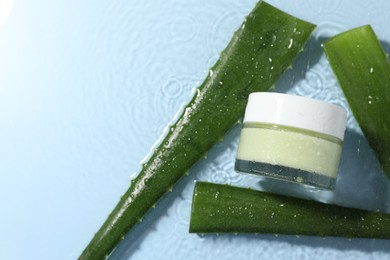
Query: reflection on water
(5, 10)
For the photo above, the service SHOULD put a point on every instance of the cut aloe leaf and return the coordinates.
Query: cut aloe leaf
(220, 208)
(363, 72)
(261, 49)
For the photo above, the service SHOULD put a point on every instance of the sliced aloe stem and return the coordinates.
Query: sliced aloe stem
(220, 208)
(363, 71)
(261, 49)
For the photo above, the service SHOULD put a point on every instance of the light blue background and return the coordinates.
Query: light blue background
(87, 87)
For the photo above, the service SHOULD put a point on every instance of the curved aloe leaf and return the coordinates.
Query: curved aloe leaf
(363, 71)
(260, 50)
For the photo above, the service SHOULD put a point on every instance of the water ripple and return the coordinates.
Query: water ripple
(172, 88)
(312, 86)
(183, 28)
(323, 7)
(225, 23)
(182, 210)
(157, 73)
(328, 28)
(143, 115)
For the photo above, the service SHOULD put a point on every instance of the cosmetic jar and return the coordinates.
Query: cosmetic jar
(291, 138)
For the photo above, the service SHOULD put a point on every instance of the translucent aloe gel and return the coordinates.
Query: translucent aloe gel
(291, 138)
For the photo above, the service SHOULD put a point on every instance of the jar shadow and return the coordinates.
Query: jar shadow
(301, 65)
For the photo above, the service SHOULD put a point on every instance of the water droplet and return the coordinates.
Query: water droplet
(291, 43)
(273, 40)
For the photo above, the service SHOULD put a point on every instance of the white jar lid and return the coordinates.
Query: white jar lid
(294, 111)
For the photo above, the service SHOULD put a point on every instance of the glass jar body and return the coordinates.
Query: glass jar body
(289, 153)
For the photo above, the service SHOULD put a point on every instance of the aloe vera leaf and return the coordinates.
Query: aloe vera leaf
(218, 208)
(261, 49)
(363, 72)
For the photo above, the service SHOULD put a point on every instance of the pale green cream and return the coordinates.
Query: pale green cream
(291, 147)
